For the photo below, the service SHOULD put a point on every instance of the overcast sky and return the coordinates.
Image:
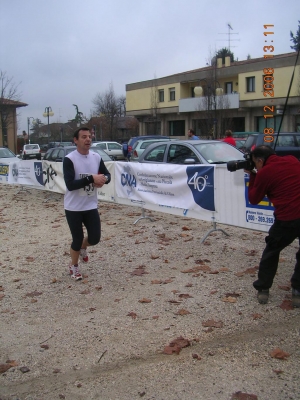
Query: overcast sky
(64, 52)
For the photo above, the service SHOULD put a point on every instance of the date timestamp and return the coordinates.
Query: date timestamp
(268, 74)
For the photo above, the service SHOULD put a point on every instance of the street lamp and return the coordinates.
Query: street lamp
(28, 124)
(48, 113)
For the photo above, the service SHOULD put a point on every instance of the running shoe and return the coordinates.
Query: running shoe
(74, 272)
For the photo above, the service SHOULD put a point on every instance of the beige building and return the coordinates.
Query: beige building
(8, 123)
(242, 96)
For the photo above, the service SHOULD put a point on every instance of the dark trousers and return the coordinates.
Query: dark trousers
(281, 234)
(91, 220)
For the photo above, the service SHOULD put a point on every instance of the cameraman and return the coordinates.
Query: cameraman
(279, 179)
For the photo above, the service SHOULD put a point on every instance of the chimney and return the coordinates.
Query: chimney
(227, 61)
(219, 62)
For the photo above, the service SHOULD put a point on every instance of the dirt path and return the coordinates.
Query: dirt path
(144, 286)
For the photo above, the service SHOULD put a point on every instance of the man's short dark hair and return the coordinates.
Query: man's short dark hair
(263, 152)
(82, 128)
(192, 131)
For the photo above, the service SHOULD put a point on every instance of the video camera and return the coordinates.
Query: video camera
(248, 164)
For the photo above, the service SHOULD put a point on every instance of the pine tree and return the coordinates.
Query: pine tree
(296, 39)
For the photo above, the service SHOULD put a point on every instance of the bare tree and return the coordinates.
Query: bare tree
(8, 94)
(154, 100)
(107, 105)
(212, 111)
(122, 106)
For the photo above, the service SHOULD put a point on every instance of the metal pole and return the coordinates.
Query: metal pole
(48, 125)
(28, 121)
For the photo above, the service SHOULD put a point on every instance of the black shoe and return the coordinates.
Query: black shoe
(296, 298)
(263, 296)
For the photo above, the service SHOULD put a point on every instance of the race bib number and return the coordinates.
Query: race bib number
(88, 190)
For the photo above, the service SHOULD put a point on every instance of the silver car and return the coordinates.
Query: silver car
(140, 146)
(191, 152)
(113, 149)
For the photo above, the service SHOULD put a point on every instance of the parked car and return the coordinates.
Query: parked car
(50, 145)
(238, 135)
(191, 152)
(58, 154)
(140, 145)
(63, 144)
(31, 151)
(102, 153)
(44, 147)
(113, 149)
(288, 143)
(127, 147)
(7, 156)
(240, 142)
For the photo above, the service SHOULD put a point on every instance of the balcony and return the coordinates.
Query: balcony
(225, 101)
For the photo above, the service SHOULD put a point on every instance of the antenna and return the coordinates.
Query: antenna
(229, 34)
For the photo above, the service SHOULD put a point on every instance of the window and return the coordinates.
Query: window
(156, 154)
(286, 141)
(172, 94)
(177, 128)
(250, 84)
(161, 95)
(228, 87)
(263, 123)
(179, 153)
(114, 146)
(54, 154)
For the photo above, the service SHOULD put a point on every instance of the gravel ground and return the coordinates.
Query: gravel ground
(145, 285)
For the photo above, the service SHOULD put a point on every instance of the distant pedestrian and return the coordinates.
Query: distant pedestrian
(229, 138)
(83, 172)
(191, 135)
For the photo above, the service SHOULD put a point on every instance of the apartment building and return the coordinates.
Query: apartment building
(242, 96)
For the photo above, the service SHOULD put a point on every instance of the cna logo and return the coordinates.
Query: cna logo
(128, 180)
(201, 184)
(38, 172)
(15, 171)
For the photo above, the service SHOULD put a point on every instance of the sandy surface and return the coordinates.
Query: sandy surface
(145, 285)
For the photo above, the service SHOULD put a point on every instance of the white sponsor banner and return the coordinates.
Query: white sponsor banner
(107, 192)
(26, 173)
(53, 178)
(49, 175)
(233, 205)
(209, 193)
(4, 173)
(186, 187)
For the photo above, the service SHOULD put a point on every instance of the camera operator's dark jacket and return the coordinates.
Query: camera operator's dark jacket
(279, 179)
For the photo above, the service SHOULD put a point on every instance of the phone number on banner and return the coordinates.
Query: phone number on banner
(257, 217)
